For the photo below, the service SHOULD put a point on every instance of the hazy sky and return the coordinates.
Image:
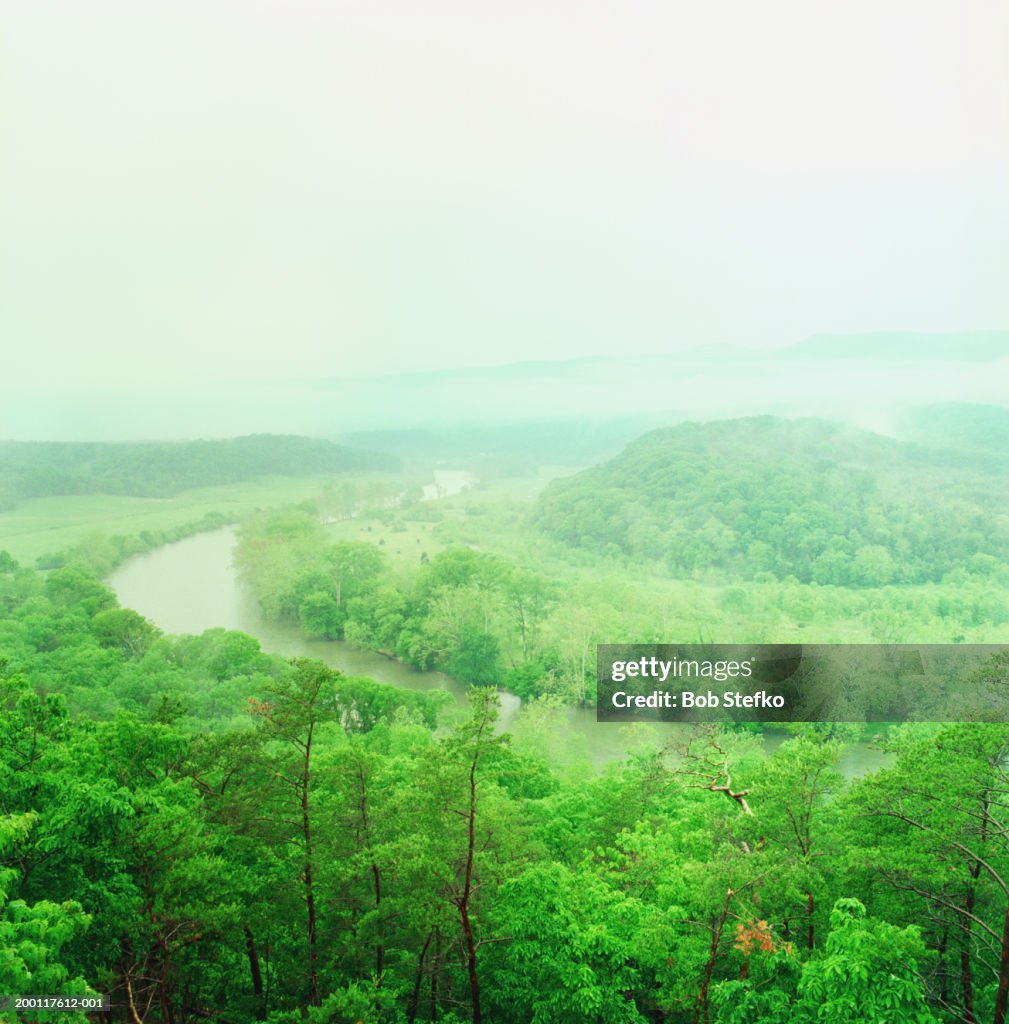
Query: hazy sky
(266, 189)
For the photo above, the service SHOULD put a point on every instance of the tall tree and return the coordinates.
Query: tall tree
(291, 716)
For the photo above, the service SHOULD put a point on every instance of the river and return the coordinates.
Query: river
(191, 586)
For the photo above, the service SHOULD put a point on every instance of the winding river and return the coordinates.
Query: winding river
(191, 586)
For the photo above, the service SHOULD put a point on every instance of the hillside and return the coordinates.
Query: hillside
(759, 497)
(156, 470)
(965, 426)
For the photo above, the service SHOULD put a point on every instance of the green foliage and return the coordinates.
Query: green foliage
(475, 658)
(571, 949)
(32, 936)
(31, 469)
(767, 996)
(78, 589)
(99, 554)
(869, 972)
(125, 629)
(469, 613)
(320, 615)
(807, 499)
(211, 793)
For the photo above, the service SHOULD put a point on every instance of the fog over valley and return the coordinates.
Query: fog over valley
(873, 387)
(333, 208)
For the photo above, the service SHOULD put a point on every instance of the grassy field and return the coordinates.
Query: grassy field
(492, 517)
(44, 525)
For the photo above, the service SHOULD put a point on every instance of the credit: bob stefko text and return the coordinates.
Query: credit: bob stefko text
(778, 683)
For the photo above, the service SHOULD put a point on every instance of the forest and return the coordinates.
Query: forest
(761, 498)
(206, 831)
(34, 469)
(202, 830)
(760, 530)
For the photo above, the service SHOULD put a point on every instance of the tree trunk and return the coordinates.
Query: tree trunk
(313, 954)
(131, 1005)
(966, 978)
(257, 975)
(435, 970)
(943, 968)
(716, 937)
(379, 947)
(966, 970)
(467, 925)
(411, 1009)
(1002, 995)
(375, 873)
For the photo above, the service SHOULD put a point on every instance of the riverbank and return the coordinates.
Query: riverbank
(192, 586)
(41, 526)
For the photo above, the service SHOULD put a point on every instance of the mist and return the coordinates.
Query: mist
(204, 211)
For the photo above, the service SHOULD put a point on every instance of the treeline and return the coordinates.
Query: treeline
(764, 499)
(506, 449)
(205, 832)
(101, 554)
(30, 469)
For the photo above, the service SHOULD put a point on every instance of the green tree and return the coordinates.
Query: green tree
(476, 658)
(320, 615)
(291, 718)
(32, 936)
(354, 568)
(570, 950)
(792, 798)
(868, 974)
(125, 629)
(931, 827)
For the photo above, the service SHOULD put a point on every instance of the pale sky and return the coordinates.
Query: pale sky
(231, 190)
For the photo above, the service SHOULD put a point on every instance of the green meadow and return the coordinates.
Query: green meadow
(39, 526)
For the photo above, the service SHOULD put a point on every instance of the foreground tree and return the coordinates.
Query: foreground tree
(867, 975)
(936, 830)
(570, 944)
(290, 720)
(32, 936)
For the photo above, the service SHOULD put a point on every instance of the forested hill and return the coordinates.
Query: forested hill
(43, 469)
(968, 427)
(759, 497)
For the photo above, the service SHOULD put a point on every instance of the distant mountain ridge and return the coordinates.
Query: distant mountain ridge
(972, 346)
(512, 448)
(867, 379)
(822, 376)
